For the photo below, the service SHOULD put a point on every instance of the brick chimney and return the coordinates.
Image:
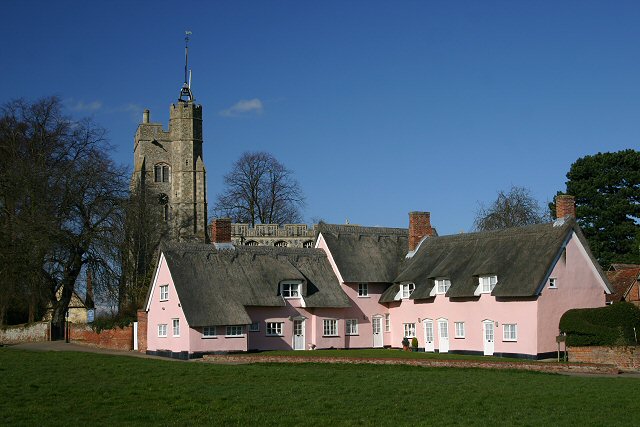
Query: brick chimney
(221, 230)
(419, 226)
(565, 206)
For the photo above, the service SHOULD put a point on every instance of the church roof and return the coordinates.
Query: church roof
(215, 286)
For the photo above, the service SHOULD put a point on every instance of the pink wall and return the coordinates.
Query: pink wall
(472, 313)
(164, 312)
(579, 286)
(218, 343)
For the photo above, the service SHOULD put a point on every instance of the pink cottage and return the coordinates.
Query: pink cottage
(493, 293)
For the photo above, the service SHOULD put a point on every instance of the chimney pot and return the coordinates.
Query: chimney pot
(145, 116)
(419, 227)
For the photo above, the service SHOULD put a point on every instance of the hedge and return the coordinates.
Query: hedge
(610, 325)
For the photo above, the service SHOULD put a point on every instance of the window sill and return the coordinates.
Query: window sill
(209, 338)
(510, 340)
(353, 335)
(234, 336)
(364, 296)
(331, 336)
(164, 300)
(162, 336)
(458, 338)
(274, 336)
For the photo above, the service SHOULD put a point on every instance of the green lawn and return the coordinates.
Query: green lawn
(59, 388)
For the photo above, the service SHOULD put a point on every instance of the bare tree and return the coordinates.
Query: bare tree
(61, 202)
(514, 208)
(259, 189)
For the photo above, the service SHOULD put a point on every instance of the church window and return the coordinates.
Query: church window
(161, 173)
(166, 212)
(251, 243)
(308, 244)
(281, 244)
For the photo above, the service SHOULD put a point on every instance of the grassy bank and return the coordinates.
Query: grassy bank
(79, 388)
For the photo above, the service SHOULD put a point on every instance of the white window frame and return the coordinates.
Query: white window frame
(164, 292)
(387, 322)
(510, 332)
(254, 327)
(459, 329)
(363, 290)
(553, 283)
(409, 330)
(274, 329)
(442, 285)
(175, 323)
(233, 331)
(209, 332)
(351, 326)
(291, 290)
(162, 330)
(487, 283)
(407, 289)
(329, 327)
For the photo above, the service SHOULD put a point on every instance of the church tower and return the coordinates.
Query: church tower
(168, 165)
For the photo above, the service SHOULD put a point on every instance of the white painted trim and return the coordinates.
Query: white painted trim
(135, 335)
(155, 281)
(410, 254)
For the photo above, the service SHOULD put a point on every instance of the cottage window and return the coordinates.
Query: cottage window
(363, 290)
(290, 290)
(254, 327)
(162, 330)
(164, 292)
(351, 326)
(510, 332)
(487, 283)
(235, 331)
(274, 329)
(553, 283)
(459, 329)
(387, 323)
(443, 285)
(330, 327)
(209, 332)
(407, 289)
(176, 327)
(161, 173)
(409, 330)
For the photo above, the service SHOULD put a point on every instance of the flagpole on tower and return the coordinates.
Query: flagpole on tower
(185, 92)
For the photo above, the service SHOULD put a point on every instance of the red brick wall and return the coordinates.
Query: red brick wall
(142, 331)
(115, 339)
(625, 358)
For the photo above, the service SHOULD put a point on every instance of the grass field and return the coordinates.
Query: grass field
(57, 388)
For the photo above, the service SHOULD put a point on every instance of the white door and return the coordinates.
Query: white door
(443, 336)
(298, 334)
(488, 334)
(376, 323)
(428, 335)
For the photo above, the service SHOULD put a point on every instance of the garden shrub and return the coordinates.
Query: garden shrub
(610, 325)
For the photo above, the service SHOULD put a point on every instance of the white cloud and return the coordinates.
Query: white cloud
(82, 106)
(244, 107)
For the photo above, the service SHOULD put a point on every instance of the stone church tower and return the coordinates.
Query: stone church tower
(169, 164)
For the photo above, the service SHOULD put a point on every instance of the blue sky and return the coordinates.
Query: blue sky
(380, 107)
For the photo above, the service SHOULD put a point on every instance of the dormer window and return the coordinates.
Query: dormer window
(161, 173)
(442, 285)
(291, 289)
(407, 289)
(487, 283)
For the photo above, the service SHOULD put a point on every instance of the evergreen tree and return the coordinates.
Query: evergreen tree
(607, 191)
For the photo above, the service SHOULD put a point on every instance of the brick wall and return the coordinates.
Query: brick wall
(28, 332)
(625, 358)
(142, 331)
(114, 339)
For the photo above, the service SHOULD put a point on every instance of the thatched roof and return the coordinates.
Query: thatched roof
(366, 254)
(521, 257)
(215, 286)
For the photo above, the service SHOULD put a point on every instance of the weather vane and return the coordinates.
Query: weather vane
(185, 92)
